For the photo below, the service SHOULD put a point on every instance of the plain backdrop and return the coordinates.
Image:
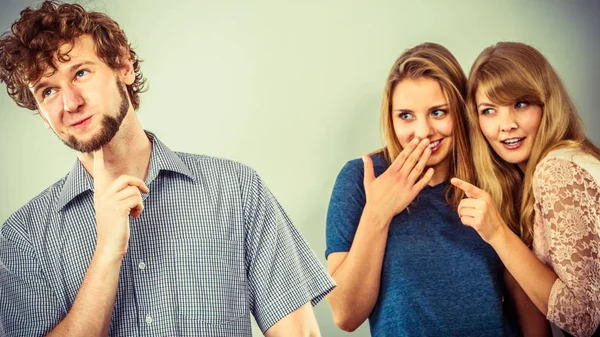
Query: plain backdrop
(293, 88)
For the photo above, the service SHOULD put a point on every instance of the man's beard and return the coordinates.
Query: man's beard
(110, 126)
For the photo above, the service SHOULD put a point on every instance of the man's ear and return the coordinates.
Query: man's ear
(39, 113)
(127, 72)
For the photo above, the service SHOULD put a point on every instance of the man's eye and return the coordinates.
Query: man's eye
(81, 73)
(47, 92)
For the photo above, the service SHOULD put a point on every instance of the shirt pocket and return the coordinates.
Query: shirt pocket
(211, 280)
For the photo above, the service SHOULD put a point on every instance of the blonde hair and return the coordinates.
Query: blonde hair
(431, 60)
(509, 72)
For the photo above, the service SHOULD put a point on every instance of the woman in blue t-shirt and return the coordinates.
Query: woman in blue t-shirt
(395, 245)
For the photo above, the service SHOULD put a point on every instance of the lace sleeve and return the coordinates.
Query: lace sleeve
(568, 200)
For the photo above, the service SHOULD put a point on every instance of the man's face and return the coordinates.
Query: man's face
(84, 101)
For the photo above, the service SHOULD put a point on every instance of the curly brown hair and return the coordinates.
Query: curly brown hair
(32, 47)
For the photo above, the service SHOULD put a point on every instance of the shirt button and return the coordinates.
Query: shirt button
(148, 319)
(142, 265)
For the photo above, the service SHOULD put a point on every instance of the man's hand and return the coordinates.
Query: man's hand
(114, 201)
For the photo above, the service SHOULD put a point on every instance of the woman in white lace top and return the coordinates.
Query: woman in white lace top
(540, 178)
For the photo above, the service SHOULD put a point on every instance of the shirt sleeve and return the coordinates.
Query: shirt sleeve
(345, 207)
(283, 272)
(568, 200)
(28, 306)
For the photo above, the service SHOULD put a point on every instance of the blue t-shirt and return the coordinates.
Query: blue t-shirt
(438, 278)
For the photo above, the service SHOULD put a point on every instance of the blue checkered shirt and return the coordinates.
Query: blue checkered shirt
(211, 247)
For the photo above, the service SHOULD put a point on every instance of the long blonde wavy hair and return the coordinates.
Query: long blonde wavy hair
(506, 73)
(431, 60)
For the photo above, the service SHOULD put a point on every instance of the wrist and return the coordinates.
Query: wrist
(375, 217)
(502, 237)
(107, 254)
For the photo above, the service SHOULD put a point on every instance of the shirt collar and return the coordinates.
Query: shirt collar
(162, 158)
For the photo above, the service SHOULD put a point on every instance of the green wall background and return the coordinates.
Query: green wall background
(293, 88)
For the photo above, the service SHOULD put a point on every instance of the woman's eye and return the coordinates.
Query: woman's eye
(438, 113)
(405, 115)
(521, 104)
(486, 111)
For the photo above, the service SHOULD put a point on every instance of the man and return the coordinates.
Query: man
(137, 240)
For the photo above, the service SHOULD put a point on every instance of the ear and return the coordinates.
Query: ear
(127, 73)
(48, 126)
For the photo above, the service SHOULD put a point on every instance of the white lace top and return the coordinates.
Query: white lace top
(567, 237)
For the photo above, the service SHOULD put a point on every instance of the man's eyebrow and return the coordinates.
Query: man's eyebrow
(40, 84)
(72, 68)
(77, 65)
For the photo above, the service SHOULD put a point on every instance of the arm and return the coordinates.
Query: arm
(300, 323)
(28, 306)
(534, 277)
(568, 199)
(480, 212)
(283, 274)
(114, 201)
(353, 300)
(531, 321)
(92, 308)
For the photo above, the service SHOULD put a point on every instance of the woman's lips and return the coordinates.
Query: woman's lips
(434, 146)
(513, 143)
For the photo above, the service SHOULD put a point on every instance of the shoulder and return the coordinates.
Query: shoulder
(354, 169)
(566, 165)
(204, 166)
(567, 175)
(19, 224)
